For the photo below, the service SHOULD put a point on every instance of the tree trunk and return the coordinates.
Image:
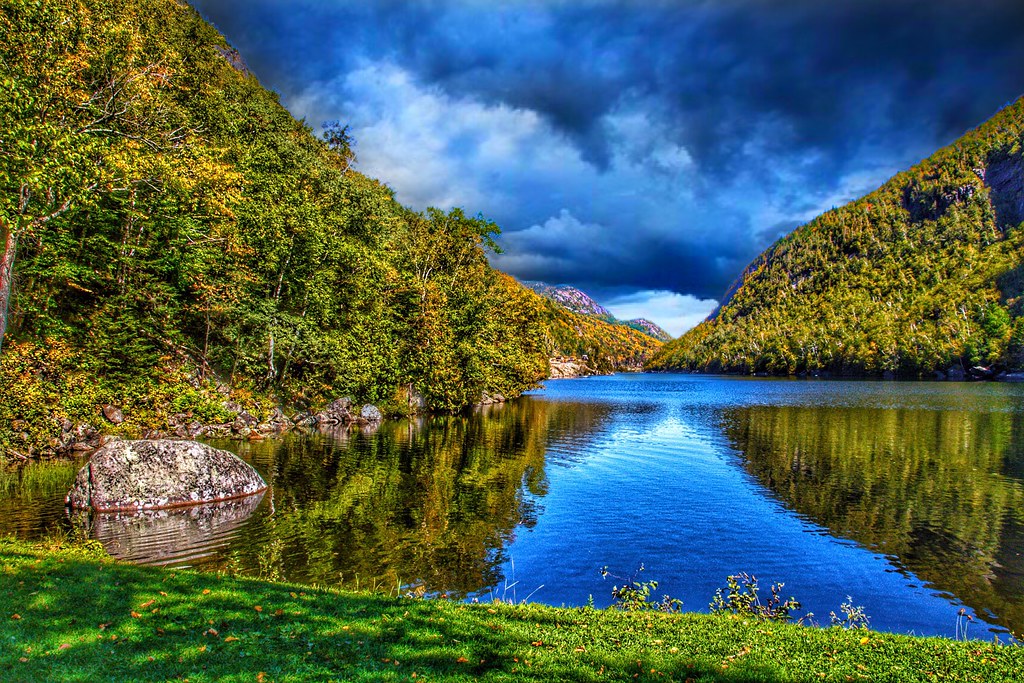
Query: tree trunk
(10, 242)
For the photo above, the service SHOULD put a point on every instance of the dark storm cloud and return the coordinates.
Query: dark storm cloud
(734, 117)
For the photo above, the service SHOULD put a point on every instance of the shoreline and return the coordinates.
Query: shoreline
(106, 619)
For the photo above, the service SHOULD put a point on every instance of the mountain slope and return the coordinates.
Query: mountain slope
(923, 274)
(605, 347)
(651, 329)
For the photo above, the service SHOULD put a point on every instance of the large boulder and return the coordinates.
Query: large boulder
(162, 473)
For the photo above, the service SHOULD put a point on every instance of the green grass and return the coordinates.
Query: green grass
(71, 614)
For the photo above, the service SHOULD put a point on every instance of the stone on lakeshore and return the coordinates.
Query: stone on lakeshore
(338, 412)
(162, 473)
(370, 414)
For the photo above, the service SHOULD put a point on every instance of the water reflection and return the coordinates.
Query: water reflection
(429, 503)
(927, 487)
(170, 536)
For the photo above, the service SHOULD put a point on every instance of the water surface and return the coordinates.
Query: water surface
(908, 497)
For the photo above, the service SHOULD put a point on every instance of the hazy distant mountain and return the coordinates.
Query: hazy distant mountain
(568, 296)
(578, 301)
(649, 328)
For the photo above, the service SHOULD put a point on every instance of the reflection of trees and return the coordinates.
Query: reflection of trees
(929, 487)
(432, 501)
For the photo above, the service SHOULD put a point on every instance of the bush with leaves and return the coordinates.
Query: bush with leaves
(635, 595)
(741, 596)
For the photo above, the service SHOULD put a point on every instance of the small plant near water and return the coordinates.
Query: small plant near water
(853, 617)
(742, 596)
(635, 595)
(963, 620)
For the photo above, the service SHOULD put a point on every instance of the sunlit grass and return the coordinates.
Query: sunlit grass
(70, 614)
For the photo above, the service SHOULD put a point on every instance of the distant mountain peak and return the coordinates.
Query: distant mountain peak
(578, 301)
(572, 298)
(649, 328)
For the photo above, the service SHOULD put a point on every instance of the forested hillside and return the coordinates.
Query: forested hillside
(579, 327)
(607, 347)
(924, 274)
(170, 226)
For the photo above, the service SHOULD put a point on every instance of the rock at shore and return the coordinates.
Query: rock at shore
(565, 368)
(149, 475)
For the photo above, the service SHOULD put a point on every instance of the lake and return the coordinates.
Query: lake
(906, 496)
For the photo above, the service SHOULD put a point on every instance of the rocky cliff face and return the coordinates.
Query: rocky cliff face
(569, 297)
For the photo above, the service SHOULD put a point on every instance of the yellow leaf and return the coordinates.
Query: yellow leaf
(206, 591)
(230, 639)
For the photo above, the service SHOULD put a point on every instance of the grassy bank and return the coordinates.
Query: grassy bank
(71, 614)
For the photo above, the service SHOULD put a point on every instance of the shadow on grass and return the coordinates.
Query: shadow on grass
(76, 619)
(67, 617)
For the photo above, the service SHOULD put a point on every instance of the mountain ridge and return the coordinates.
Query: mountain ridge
(576, 300)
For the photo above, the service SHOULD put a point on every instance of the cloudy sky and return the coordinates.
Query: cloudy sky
(646, 150)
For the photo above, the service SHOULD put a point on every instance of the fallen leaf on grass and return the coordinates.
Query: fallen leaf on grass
(230, 639)
(15, 616)
(257, 608)
(206, 591)
(64, 646)
(462, 660)
(146, 604)
(135, 615)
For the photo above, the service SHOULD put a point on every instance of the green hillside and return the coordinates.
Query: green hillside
(608, 347)
(173, 228)
(924, 274)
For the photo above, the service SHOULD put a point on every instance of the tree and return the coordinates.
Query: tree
(80, 97)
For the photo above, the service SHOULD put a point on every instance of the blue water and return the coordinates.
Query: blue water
(659, 484)
(906, 496)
